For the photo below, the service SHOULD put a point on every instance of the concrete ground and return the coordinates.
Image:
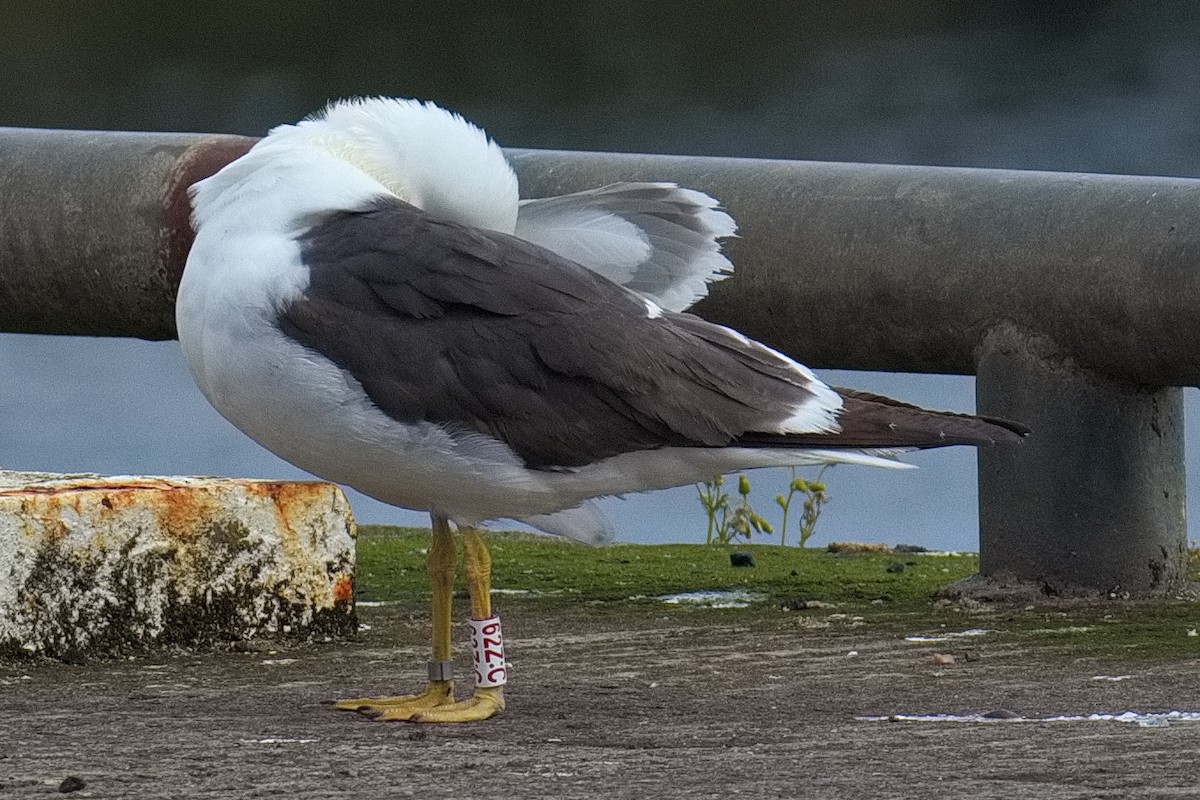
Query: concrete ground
(606, 704)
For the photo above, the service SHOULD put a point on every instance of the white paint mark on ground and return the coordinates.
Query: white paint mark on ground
(732, 598)
(946, 637)
(1143, 719)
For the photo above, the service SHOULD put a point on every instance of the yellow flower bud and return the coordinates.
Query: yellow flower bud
(762, 524)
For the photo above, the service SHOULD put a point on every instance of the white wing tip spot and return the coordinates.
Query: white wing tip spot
(815, 414)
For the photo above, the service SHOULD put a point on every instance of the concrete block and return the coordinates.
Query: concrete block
(112, 564)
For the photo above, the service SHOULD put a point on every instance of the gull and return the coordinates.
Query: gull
(368, 298)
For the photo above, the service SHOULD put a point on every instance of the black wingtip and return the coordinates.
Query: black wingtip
(874, 421)
(1016, 432)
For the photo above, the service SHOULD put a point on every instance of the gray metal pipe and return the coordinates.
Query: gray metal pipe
(842, 265)
(905, 269)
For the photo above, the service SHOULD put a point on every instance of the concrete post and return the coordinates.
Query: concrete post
(1102, 476)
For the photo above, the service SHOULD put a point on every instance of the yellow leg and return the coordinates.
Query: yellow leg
(485, 702)
(440, 564)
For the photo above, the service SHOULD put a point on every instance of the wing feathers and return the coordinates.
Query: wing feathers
(658, 239)
(486, 333)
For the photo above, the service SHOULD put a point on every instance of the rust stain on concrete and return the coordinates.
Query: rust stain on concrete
(128, 562)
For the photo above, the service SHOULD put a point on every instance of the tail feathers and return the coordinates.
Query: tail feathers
(871, 421)
(585, 523)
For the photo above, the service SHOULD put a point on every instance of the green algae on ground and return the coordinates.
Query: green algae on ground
(861, 589)
(392, 567)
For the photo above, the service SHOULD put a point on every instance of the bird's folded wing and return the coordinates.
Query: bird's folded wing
(484, 333)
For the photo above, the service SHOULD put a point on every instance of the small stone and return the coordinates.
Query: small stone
(73, 656)
(741, 558)
(794, 604)
(942, 659)
(970, 655)
(71, 784)
(1001, 713)
(896, 566)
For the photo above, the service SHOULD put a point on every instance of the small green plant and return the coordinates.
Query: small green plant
(815, 496)
(715, 500)
(725, 522)
(746, 521)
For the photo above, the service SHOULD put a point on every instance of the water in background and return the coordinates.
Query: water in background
(1087, 86)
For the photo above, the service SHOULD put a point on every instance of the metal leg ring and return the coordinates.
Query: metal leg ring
(441, 670)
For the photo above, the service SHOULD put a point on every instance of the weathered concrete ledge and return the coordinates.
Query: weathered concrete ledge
(112, 564)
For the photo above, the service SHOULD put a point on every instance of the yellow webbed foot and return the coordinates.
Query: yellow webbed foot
(483, 704)
(435, 704)
(405, 707)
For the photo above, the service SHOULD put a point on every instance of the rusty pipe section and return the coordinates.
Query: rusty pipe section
(94, 227)
(855, 266)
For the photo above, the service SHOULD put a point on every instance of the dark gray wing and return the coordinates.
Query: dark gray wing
(483, 332)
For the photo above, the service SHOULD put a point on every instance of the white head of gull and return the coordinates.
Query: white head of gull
(368, 298)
